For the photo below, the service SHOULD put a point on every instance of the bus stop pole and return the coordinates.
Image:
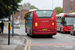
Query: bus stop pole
(13, 20)
(13, 24)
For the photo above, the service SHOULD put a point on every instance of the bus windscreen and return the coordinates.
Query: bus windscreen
(69, 21)
(44, 13)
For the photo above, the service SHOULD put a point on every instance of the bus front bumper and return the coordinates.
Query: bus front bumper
(66, 30)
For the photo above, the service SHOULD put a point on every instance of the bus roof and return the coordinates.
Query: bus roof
(32, 10)
(69, 15)
(59, 15)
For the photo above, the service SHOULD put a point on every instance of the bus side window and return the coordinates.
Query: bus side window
(27, 22)
(31, 15)
(29, 19)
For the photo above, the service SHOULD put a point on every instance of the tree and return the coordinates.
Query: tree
(33, 7)
(29, 5)
(4, 7)
(58, 10)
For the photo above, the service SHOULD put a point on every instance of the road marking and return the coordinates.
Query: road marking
(26, 45)
(52, 44)
(25, 48)
(29, 45)
(28, 41)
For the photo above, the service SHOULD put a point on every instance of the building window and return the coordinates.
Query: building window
(71, 2)
(71, 8)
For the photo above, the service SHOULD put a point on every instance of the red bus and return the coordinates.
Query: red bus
(64, 22)
(41, 22)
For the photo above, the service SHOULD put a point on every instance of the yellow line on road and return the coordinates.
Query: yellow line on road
(28, 42)
(29, 46)
(25, 48)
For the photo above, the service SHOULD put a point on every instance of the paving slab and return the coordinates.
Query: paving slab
(16, 41)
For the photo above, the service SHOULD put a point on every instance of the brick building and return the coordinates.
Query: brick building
(16, 16)
(71, 5)
(23, 11)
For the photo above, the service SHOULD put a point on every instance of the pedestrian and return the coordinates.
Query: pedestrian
(2, 26)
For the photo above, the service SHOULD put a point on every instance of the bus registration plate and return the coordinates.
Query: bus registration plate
(44, 29)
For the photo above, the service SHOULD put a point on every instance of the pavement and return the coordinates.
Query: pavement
(16, 41)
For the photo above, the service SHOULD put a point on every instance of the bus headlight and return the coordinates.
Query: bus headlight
(36, 24)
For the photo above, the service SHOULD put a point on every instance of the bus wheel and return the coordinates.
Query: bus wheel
(60, 29)
(63, 32)
(30, 33)
(27, 34)
(50, 36)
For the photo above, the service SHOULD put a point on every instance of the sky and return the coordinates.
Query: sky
(44, 4)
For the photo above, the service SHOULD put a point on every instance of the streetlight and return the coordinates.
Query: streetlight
(20, 15)
(52, 4)
(68, 6)
(9, 25)
(64, 6)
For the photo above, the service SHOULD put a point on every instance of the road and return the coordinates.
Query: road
(58, 42)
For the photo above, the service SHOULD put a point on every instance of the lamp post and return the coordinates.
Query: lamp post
(20, 15)
(9, 26)
(64, 6)
(52, 4)
(68, 6)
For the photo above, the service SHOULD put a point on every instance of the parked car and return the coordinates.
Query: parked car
(72, 32)
(16, 24)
